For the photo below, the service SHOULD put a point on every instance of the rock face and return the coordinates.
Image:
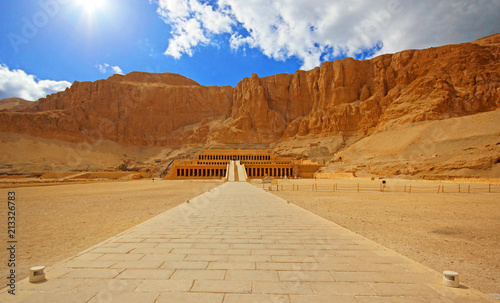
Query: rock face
(344, 97)
(137, 109)
(14, 103)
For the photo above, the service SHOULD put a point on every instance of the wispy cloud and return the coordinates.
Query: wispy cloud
(105, 68)
(17, 83)
(315, 30)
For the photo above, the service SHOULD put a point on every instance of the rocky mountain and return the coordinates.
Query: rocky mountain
(12, 104)
(343, 97)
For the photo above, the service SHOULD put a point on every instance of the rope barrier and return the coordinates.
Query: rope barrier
(409, 188)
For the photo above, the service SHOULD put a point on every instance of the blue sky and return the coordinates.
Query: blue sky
(48, 44)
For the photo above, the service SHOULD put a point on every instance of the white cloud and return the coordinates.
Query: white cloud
(193, 23)
(17, 83)
(318, 30)
(117, 70)
(188, 34)
(105, 68)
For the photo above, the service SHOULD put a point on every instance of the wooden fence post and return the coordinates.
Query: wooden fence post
(489, 188)
(439, 188)
(358, 187)
(458, 187)
(468, 189)
(405, 187)
(409, 191)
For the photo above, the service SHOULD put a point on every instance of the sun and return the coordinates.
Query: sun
(91, 6)
(93, 13)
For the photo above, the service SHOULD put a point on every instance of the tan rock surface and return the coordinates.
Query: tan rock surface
(12, 104)
(462, 146)
(341, 97)
(345, 99)
(137, 109)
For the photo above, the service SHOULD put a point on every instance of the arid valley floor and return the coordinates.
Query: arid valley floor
(445, 231)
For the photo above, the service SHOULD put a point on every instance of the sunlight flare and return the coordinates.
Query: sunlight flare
(90, 6)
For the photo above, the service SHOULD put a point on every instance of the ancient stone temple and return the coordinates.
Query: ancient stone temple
(213, 164)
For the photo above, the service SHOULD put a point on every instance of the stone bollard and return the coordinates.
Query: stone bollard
(450, 278)
(37, 274)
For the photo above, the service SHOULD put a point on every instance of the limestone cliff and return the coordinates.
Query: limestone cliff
(136, 109)
(12, 104)
(347, 97)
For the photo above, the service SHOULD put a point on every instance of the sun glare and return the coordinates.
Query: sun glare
(93, 13)
(90, 6)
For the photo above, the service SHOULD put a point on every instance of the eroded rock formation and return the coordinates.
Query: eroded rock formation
(341, 97)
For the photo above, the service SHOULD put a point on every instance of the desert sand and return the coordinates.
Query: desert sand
(56, 222)
(447, 231)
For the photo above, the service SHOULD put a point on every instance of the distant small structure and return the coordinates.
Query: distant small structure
(213, 164)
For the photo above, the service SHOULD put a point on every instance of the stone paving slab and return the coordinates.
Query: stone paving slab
(238, 243)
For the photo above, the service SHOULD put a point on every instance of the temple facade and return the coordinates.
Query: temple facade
(257, 164)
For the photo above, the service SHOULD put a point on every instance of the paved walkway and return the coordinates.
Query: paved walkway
(238, 243)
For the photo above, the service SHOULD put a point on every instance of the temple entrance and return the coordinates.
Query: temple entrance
(251, 164)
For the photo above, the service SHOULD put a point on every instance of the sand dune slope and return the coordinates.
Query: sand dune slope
(459, 146)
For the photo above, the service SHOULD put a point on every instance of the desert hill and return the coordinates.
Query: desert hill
(463, 146)
(12, 104)
(328, 113)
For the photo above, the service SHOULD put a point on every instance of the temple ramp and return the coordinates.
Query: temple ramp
(236, 172)
(231, 176)
(242, 174)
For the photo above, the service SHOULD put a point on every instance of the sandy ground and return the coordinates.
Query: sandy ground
(443, 231)
(57, 222)
(462, 146)
(448, 231)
